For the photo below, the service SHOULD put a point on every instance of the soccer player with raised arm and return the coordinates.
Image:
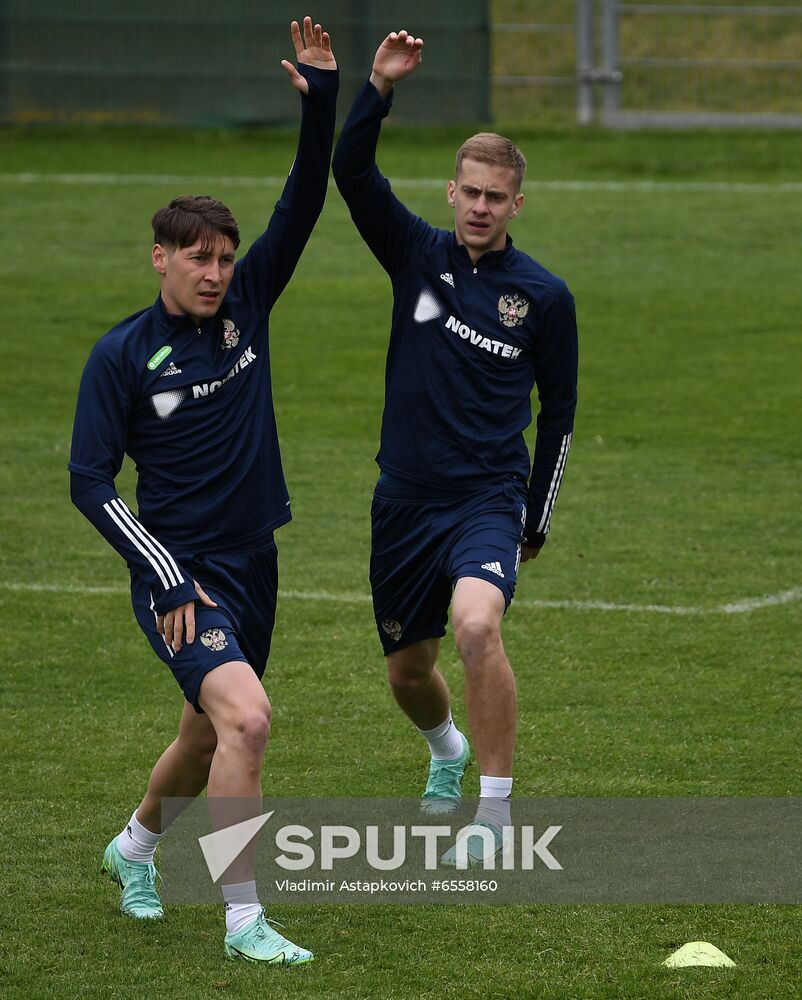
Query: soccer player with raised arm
(476, 325)
(184, 388)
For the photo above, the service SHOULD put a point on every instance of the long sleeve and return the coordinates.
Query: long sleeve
(98, 444)
(271, 260)
(385, 224)
(556, 362)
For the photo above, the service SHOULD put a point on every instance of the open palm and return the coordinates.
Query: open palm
(311, 49)
(397, 56)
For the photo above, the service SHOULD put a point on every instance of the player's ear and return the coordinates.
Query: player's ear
(451, 190)
(158, 258)
(517, 205)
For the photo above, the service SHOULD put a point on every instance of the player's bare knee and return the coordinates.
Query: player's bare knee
(407, 673)
(400, 680)
(251, 730)
(476, 636)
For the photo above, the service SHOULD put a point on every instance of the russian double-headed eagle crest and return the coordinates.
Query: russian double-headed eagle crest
(512, 309)
(230, 334)
(392, 628)
(214, 639)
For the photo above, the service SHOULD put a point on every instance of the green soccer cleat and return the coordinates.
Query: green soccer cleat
(137, 880)
(478, 855)
(258, 942)
(443, 791)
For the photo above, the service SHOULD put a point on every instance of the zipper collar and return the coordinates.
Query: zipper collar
(492, 258)
(178, 324)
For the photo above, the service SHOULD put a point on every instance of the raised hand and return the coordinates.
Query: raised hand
(397, 56)
(314, 49)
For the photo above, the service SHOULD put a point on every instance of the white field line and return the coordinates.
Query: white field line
(732, 608)
(195, 181)
(90, 179)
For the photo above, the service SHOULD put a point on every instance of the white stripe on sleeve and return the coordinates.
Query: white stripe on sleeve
(554, 489)
(159, 558)
(167, 645)
(143, 533)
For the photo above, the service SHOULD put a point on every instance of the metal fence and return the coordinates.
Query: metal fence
(648, 64)
(623, 64)
(680, 64)
(533, 56)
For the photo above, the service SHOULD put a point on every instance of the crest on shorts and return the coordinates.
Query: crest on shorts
(392, 628)
(214, 639)
(512, 309)
(231, 334)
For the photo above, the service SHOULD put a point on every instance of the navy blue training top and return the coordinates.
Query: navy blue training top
(193, 405)
(468, 343)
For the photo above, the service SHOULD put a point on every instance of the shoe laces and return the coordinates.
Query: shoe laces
(447, 772)
(262, 930)
(141, 884)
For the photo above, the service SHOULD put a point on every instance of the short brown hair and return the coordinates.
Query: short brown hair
(194, 217)
(489, 147)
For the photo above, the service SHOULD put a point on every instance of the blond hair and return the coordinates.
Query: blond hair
(489, 147)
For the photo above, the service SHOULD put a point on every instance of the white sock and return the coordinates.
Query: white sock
(137, 843)
(494, 804)
(242, 905)
(445, 740)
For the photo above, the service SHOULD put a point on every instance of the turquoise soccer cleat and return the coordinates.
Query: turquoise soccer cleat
(258, 942)
(443, 789)
(478, 854)
(137, 880)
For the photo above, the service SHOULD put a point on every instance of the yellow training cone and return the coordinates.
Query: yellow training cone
(697, 953)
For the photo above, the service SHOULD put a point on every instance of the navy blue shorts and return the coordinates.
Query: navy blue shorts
(244, 585)
(421, 546)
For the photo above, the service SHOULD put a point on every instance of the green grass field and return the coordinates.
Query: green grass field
(682, 492)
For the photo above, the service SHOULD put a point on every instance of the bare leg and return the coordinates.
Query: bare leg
(490, 691)
(182, 771)
(238, 708)
(417, 685)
